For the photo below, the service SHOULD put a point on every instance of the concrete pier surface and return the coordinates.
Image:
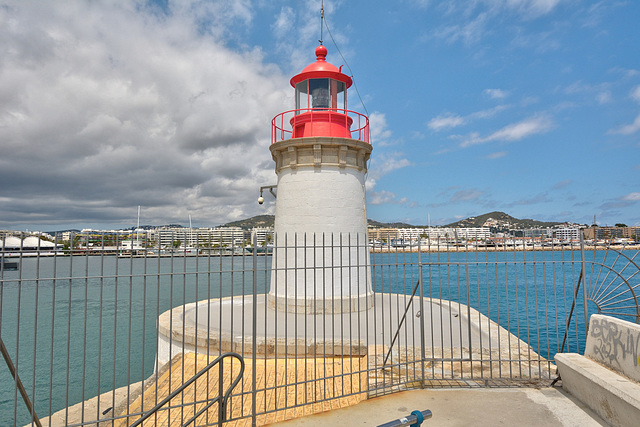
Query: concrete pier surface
(479, 406)
(214, 326)
(544, 407)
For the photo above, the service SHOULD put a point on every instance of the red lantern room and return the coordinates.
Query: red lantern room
(321, 105)
(321, 100)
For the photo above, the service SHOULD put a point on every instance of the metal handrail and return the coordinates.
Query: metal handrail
(281, 127)
(404, 316)
(221, 399)
(23, 392)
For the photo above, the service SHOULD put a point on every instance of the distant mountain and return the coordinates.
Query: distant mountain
(376, 224)
(503, 221)
(256, 221)
(494, 220)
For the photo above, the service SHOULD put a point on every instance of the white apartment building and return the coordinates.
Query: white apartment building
(193, 237)
(473, 233)
(261, 234)
(467, 233)
(567, 233)
(538, 232)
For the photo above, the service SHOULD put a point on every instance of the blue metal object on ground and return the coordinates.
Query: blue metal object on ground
(415, 419)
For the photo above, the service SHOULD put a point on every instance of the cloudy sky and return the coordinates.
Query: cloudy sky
(531, 107)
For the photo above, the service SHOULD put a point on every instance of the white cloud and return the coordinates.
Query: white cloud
(379, 132)
(628, 129)
(513, 132)
(445, 121)
(470, 194)
(533, 8)
(538, 198)
(562, 184)
(391, 164)
(384, 197)
(469, 32)
(496, 155)
(382, 165)
(486, 114)
(131, 106)
(635, 93)
(626, 72)
(472, 21)
(450, 120)
(517, 131)
(297, 30)
(284, 22)
(631, 197)
(604, 97)
(496, 93)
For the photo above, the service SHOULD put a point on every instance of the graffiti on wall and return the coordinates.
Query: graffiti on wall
(613, 343)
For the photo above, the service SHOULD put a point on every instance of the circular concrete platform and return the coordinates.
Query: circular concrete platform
(215, 326)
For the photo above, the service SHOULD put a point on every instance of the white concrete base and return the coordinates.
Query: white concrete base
(219, 325)
(345, 304)
(615, 398)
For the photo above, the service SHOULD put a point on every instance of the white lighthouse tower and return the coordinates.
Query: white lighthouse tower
(321, 149)
(320, 300)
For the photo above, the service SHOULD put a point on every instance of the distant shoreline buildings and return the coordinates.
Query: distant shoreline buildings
(170, 238)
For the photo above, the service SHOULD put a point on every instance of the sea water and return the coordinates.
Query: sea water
(86, 325)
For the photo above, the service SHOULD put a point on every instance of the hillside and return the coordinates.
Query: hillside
(249, 223)
(496, 220)
(376, 224)
(267, 221)
(501, 220)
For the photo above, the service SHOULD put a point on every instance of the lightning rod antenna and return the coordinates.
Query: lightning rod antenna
(321, 20)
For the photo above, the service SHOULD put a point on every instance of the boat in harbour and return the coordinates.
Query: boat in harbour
(8, 265)
(260, 249)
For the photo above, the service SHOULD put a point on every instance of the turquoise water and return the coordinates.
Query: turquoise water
(111, 321)
(93, 328)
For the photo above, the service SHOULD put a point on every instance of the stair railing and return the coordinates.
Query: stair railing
(221, 399)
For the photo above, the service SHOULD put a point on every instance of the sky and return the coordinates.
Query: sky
(530, 107)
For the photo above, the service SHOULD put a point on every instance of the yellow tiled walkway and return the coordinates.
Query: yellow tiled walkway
(308, 385)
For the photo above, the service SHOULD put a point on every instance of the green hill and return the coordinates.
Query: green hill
(495, 220)
(501, 220)
(376, 224)
(256, 221)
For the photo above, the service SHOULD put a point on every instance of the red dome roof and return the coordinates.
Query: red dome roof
(321, 69)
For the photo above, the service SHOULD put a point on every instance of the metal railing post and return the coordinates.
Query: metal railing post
(254, 403)
(584, 287)
(422, 317)
(221, 399)
(23, 392)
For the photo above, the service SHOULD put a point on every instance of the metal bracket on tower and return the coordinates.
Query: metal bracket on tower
(267, 187)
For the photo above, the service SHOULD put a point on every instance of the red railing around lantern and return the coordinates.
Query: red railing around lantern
(329, 122)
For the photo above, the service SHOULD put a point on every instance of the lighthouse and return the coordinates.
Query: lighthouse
(320, 263)
(320, 301)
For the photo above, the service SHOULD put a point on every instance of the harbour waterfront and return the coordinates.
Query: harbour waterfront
(87, 324)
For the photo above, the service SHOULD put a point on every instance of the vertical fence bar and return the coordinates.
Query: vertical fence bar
(18, 385)
(584, 287)
(254, 329)
(422, 317)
